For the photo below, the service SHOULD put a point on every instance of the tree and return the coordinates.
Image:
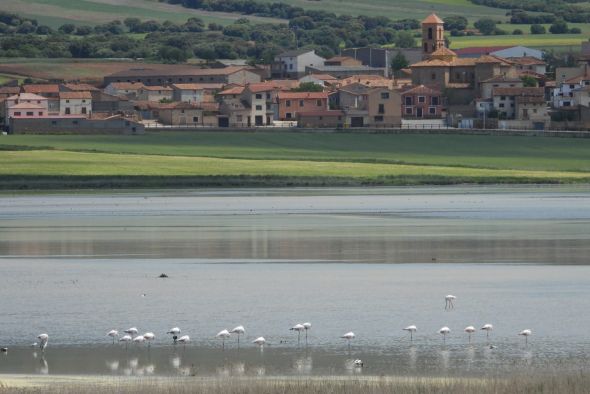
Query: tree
(81, 49)
(132, 23)
(575, 30)
(486, 26)
(172, 55)
(308, 87)
(399, 61)
(559, 27)
(455, 22)
(68, 28)
(517, 32)
(405, 39)
(83, 30)
(528, 81)
(538, 29)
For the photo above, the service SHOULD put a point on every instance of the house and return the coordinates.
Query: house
(75, 103)
(342, 61)
(164, 75)
(323, 80)
(7, 91)
(125, 89)
(345, 71)
(380, 57)
(251, 105)
(384, 107)
(154, 93)
(498, 81)
(582, 96)
(290, 103)
(292, 64)
(50, 91)
(563, 94)
(519, 103)
(180, 113)
(500, 51)
(195, 92)
(368, 80)
(321, 119)
(106, 103)
(529, 64)
(26, 105)
(421, 102)
(369, 106)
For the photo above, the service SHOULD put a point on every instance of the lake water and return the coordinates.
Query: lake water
(369, 260)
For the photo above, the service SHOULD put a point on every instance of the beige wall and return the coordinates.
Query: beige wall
(391, 105)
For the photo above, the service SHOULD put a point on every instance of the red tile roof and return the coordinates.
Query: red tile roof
(479, 50)
(303, 95)
(421, 89)
(432, 18)
(75, 95)
(41, 88)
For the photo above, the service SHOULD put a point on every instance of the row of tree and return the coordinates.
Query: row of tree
(567, 10)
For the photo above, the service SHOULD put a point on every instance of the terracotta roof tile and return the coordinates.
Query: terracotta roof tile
(432, 18)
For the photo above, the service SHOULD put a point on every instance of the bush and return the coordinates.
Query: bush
(559, 27)
(517, 32)
(538, 29)
(575, 30)
(486, 26)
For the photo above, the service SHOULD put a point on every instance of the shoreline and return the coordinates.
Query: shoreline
(139, 182)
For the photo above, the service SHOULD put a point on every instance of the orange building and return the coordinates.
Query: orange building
(290, 103)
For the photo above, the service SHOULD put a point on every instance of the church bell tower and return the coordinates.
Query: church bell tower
(433, 35)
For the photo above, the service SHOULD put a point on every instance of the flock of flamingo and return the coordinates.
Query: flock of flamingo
(132, 334)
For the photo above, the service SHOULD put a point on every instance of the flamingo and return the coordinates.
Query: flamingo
(139, 339)
(239, 330)
(43, 338)
(126, 339)
(307, 326)
(298, 327)
(131, 331)
(184, 340)
(113, 334)
(444, 331)
(411, 329)
(174, 332)
(487, 328)
(470, 330)
(449, 302)
(223, 334)
(149, 337)
(260, 341)
(358, 363)
(348, 336)
(526, 333)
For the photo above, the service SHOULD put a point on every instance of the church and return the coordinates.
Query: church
(460, 78)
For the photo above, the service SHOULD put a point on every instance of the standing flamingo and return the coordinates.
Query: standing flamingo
(260, 341)
(131, 331)
(149, 337)
(126, 339)
(526, 333)
(174, 332)
(43, 339)
(298, 327)
(307, 326)
(444, 331)
(223, 334)
(113, 334)
(348, 336)
(487, 328)
(184, 340)
(469, 330)
(239, 330)
(411, 329)
(449, 302)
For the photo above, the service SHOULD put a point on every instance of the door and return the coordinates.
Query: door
(357, 121)
(223, 121)
(419, 112)
(258, 120)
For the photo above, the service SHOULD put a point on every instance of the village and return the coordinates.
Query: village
(504, 88)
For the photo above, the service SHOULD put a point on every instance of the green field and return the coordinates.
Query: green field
(297, 158)
(57, 12)
(529, 40)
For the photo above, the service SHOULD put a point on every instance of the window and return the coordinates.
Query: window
(31, 113)
(425, 47)
(572, 86)
(83, 101)
(290, 67)
(432, 110)
(384, 95)
(195, 119)
(258, 96)
(409, 111)
(259, 108)
(434, 100)
(501, 105)
(83, 110)
(38, 101)
(409, 100)
(512, 105)
(502, 97)
(381, 109)
(301, 103)
(430, 33)
(268, 96)
(318, 103)
(182, 111)
(433, 76)
(289, 116)
(379, 118)
(288, 103)
(17, 114)
(68, 111)
(67, 101)
(421, 99)
(535, 111)
(40, 113)
(495, 85)
(457, 75)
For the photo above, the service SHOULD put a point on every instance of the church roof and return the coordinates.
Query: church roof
(432, 19)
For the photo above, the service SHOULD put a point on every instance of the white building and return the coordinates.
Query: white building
(75, 103)
(563, 94)
(25, 105)
(292, 64)
(195, 92)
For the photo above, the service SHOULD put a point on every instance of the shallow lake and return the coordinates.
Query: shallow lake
(369, 260)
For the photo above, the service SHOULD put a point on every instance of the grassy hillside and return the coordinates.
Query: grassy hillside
(57, 12)
(293, 158)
